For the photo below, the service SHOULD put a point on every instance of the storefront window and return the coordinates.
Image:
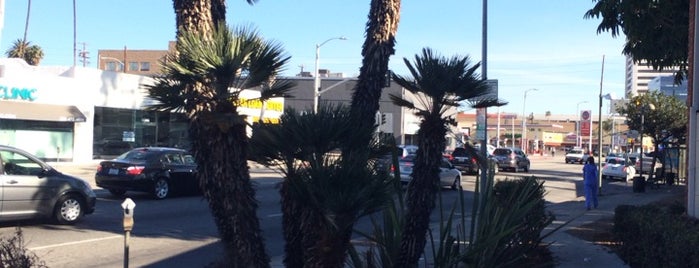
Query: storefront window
(119, 130)
(50, 141)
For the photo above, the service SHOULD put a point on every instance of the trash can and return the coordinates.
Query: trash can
(639, 184)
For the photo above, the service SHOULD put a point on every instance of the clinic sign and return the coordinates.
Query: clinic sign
(17, 93)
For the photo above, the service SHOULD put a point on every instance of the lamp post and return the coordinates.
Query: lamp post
(577, 123)
(316, 82)
(524, 121)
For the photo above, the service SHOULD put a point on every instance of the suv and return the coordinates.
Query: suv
(463, 161)
(576, 155)
(512, 158)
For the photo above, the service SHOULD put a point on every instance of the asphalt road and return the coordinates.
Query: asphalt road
(179, 232)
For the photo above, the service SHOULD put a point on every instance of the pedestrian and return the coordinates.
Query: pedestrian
(553, 152)
(590, 176)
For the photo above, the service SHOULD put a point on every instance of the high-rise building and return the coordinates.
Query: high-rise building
(638, 75)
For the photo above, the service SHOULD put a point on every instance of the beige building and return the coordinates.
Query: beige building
(132, 61)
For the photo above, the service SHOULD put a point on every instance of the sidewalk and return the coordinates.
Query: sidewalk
(570, 251)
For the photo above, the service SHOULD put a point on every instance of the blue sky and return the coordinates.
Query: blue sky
(542, 44)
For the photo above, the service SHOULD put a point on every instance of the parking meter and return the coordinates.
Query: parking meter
(128, 205)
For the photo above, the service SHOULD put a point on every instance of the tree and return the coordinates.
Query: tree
(668, 119)
(437, 85)
(656, 31)
(377, 49)
(204, 79)
(32, 54)
(322, 195)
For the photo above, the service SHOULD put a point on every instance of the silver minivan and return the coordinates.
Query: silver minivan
(31, 189)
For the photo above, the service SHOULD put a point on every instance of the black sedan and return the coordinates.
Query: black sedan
(161, 171)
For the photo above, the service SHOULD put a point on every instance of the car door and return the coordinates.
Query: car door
(24, 192)
(181, 173)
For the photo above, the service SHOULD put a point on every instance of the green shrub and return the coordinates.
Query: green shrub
(656, 236)
(509, 228)
(14, 254)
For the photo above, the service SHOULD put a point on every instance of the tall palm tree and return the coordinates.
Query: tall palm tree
(378, 47)
(438, 84)
(322, 195)
(204, 79)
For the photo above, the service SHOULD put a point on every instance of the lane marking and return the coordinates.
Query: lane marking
(76, 242)
(275, 215)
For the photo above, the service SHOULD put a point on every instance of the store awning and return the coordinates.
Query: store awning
(40, 112)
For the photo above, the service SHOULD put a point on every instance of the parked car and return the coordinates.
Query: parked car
(161, 171)
(647, 161)
(448, 174)
(30, 189)
(617, 167)
(512, 158)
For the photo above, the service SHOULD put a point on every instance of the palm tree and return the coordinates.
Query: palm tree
(322, 195)
(438, 84)
(32, 54)
(378, 47)
(204, 79)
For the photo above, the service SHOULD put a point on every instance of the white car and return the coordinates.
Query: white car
(448, 174)
(616, 167)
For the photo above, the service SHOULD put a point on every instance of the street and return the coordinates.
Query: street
(180, 232)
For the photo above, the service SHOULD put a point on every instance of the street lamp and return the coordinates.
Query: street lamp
(524, 120)
(577, 123)
(316, 82)
(123, 67)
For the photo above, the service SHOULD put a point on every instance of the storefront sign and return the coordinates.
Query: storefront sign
(16, 93)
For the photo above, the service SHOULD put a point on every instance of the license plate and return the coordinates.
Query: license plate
(113, 171)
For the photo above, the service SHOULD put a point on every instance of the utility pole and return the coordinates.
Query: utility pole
(84, 55)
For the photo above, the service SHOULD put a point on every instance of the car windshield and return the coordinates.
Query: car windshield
(615, 161)
(459, 152)
(137, 155)
(502, 151)
(575, 151)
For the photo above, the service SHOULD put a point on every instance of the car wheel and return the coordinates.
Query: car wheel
(117, 192)
(457, 183)
(69, 210)
(161, 188)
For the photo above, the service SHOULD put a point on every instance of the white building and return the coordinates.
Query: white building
(77, 114)
(638, 75)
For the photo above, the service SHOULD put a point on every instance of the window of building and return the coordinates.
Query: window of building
(111, 66)
(133, 66)
(145, 66)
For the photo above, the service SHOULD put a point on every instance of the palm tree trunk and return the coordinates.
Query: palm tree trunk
(422, 190)
(224, 178)
(293, 219)
(377, 49)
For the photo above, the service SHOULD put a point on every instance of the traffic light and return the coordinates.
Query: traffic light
(387, 79)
